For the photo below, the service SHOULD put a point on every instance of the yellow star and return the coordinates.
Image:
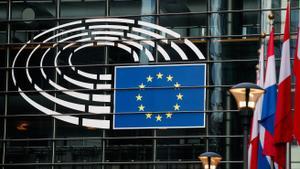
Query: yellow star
(177, 85)
(148, 115)
(179, 96)
(149, 78)
(169, 115)
(141, 107)
(158, 118)
(176, 107)
(169, 78)
(142, 86)
(139, 97)
(159, 75)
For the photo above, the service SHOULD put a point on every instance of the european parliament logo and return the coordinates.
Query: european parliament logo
(168, 96)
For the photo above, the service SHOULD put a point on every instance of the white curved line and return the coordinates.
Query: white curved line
(27, 63)
(110, 20)
(103, 86)
(108, 33)
(103, 124)
(68, 45)
(101, 98)
(41, 63)
(99, 109)
(83, 46)
(70, 93)
(69, 119)
(105, 77)
(74, 36)
(129, 50)
(64, 32)
(84, 40)
(152, 34)
(160, 28)
(106, 38)
(83, 96)
(109, 27)
(133, 36)
(179, 50)
(194, 48)
(87, 75)
(55, 63)
(140, 47)
(64, 103)
(14, 62)
(79, 83)
(163, 52)
(57, 27)
(70, 61)
(106, 43)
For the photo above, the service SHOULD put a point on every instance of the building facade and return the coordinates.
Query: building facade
(227, 32)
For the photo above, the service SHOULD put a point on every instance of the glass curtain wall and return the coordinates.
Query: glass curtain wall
(227, 32)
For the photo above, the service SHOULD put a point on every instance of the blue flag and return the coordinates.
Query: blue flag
(169, 96)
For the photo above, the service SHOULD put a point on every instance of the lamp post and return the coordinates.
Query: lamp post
(246, 96)
(210, 160)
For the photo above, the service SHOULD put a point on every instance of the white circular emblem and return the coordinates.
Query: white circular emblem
(129, 35)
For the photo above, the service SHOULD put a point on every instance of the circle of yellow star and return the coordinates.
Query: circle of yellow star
(139, 97)
(177, 85)
(169, 115)
(142, 86)
(159, 75)
(158, 118)
(148, 115)
(176, 107)
(179, 96)
(141, 107)
(169, 78)
(149, 78)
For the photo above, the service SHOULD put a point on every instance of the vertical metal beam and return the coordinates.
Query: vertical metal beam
(227, 128)
(9, 6)
(208, 41)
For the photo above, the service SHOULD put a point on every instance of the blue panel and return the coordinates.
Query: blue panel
(170, 96)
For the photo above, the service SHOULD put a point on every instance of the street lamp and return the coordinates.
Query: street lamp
(246, 96)
(210, 160)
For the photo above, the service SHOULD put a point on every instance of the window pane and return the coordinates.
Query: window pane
(33, 10)
(178, 6)
(28, 152)
(79, 8)
(29, 127)
(129, 7)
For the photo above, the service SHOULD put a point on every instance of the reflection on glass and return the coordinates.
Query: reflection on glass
(129, 7)
(80, 8)
(28, 152)
(33, 10)
(78, 150)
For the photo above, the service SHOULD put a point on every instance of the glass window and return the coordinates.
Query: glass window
(29, 127)
(78, 150)
(28, 152)
(179, 6)
(33, 10)
(129, 7)
(82, 8)
(129, 150)
(295, 153)
(65, 130)
(3, 10)
(3, 33)
(22, 32)
(180, 149)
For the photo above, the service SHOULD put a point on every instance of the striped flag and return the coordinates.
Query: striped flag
(297, 88)
(254, 138)
(283, 119)
(266, 129)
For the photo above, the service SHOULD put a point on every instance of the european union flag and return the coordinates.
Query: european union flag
(160, 96)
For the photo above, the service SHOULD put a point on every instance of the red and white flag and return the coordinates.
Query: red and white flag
(297, 88)
(254, 137)
(283, 127)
